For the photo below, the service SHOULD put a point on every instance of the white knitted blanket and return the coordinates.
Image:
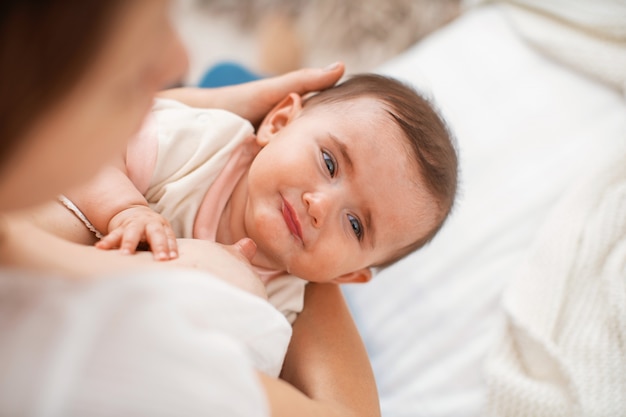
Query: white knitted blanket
(586, 35)
(563, 347)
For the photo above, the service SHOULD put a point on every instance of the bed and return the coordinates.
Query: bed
(534, 121)
(529, 126)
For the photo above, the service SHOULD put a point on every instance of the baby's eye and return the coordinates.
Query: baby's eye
(330, 163)
(356, 226)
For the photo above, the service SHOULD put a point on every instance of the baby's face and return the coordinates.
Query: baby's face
(334, 190)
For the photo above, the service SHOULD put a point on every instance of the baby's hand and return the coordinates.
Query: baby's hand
(138, 224)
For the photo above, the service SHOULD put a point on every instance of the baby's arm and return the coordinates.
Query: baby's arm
(117, 208)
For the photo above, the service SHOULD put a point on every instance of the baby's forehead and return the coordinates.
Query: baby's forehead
(366, 115)
(364, 103)
(403, 210)
(406, 215)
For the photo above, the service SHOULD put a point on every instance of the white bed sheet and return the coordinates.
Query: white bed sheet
(527, 129)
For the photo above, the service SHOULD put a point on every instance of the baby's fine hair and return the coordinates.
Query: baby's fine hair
(425, 130)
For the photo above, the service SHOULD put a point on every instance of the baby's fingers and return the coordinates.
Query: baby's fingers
(124, 239)
(131, 236)
(162, 242)
(110, 241)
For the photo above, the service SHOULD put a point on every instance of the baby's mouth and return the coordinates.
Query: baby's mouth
(291, 219)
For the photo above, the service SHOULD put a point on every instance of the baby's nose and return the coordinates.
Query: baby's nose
(317, 205)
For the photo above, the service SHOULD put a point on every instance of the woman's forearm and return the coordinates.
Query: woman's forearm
(326, 361)
(25, 245)
(255, 99)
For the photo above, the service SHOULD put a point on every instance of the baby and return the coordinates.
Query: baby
(354, 177)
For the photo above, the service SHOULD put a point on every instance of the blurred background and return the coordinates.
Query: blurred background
(275, 36)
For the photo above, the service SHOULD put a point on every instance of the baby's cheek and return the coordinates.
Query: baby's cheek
(318, 267)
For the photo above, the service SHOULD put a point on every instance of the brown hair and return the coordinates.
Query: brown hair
(45, 46)
(425, 131)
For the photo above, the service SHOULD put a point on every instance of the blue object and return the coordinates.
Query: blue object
(227, 73)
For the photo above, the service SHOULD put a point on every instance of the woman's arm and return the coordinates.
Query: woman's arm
(24, 245)
(253, 100)
(326, 362)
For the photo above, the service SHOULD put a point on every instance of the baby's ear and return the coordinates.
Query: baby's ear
(280, 116)
(360, 276)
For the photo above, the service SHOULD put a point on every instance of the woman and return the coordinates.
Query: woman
(78, 76)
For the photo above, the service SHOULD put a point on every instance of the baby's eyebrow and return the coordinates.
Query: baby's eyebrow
(343, 148)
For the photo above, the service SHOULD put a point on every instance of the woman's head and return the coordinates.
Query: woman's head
(77, 79)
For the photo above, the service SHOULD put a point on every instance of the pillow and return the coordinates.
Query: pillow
(527, 129)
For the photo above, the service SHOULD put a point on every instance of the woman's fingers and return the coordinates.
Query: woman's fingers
(310, 79)
(268, 92)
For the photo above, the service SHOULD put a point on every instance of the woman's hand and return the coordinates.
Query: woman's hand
(255, 99)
